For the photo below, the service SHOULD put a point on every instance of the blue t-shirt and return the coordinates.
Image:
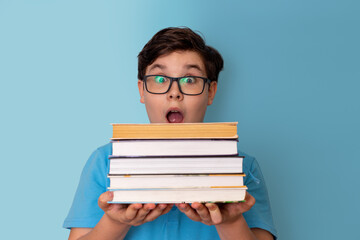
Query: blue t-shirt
(85, 212)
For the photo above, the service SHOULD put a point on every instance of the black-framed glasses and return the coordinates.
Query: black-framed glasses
(188, 85)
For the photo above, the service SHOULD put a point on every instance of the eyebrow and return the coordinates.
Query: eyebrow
(188, 66)
(157, 66)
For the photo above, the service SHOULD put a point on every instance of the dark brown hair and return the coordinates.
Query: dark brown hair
(173, 39)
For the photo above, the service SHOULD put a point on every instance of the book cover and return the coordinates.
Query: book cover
(179, 195)
(174, 147)
(176, 165)
(175, 181)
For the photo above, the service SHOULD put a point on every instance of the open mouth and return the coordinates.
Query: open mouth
(174, 116)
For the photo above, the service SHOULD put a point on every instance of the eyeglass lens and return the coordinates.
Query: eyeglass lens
(188, 85)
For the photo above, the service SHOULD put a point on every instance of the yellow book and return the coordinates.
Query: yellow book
(175, 131)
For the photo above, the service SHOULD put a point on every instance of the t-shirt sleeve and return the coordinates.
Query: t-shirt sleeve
(259, 216)
(85, 212)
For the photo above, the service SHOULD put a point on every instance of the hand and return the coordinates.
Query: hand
(133, 214)
(212, 214)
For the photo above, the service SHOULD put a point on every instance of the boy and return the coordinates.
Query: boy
(174, 57)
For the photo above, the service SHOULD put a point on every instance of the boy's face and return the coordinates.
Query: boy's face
(173, 106)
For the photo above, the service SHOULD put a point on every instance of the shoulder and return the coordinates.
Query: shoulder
(98, 160)
(251, 168)
(101, 152)
(248, 162)
(104, 150)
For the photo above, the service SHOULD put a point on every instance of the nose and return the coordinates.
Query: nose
(174, 92)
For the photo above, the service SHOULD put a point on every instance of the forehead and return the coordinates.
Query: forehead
(178, 61)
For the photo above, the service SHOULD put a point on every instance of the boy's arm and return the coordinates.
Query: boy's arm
(240, 230)
(76, 233)
(105, 229)
(229, 221)
(118, 218)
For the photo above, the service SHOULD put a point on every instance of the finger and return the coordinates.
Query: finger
(167, 209)
(202, 211)
(248, 203)
(215, 213)
(188, 211)
(249, 198)
(131, 211)
(149, 206)
(155, 213)
(142, 212)
(103, 200)
(241, 207)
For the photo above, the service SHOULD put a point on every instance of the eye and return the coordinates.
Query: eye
(160, 79)
(188, 80)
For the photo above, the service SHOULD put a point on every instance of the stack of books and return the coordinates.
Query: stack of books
(176, 163)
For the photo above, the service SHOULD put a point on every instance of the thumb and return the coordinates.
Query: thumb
(104, 199)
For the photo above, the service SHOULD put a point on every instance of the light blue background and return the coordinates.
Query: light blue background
(291, 79)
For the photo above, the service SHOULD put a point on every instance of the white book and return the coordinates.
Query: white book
(174, 147)
(180, 195)
(176, 165)
(175, 181)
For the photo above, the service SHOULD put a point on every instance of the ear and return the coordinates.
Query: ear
(212, 92)
(141, 90)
